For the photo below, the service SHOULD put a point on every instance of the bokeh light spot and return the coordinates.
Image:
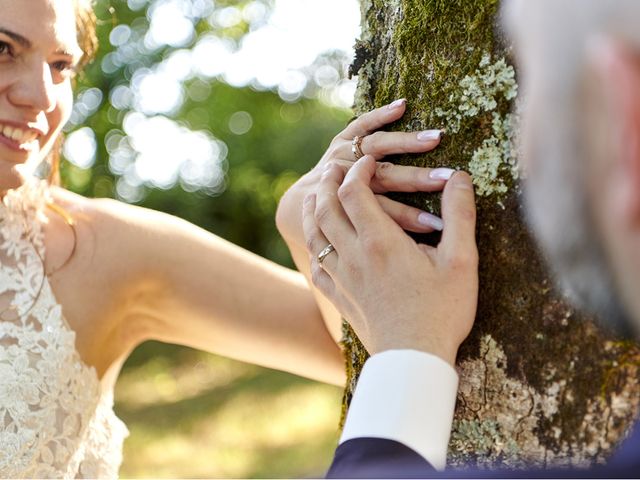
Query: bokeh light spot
(240, 123)
(80, 147)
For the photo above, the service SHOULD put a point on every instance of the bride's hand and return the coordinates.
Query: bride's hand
(388, 177)
(395, 293)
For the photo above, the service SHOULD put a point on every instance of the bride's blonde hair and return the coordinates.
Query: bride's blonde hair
(88, 41)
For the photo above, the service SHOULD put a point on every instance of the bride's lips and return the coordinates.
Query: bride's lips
(20, 137)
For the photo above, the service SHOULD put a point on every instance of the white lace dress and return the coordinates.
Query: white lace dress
(55, 420)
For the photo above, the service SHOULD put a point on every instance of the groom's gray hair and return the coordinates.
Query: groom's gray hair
(561, 30)
(552, 39)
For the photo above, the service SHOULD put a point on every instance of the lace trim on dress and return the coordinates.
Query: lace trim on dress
(54, 419)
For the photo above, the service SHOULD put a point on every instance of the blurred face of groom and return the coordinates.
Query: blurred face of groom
(580, 77)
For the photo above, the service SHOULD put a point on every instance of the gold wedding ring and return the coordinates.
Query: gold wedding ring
(323, 254)
(356, 147)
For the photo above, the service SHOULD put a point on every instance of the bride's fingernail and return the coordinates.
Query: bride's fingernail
(397, 103)
(429, 220)
(429, 135)
(441, 173)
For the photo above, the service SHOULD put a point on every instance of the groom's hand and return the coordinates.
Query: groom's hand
(396, 294)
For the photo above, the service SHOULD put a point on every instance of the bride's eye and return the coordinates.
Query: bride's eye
(61, 66)
(5, 49)
(64, 68)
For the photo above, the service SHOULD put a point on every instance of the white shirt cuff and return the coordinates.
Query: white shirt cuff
(407, 396)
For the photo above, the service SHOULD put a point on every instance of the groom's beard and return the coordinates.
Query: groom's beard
(558, 214)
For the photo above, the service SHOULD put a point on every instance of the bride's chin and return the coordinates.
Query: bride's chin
(12, 175)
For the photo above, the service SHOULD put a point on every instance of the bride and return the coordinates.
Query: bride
(84, 281)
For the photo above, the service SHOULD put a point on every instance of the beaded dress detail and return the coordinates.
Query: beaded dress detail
(55, 419)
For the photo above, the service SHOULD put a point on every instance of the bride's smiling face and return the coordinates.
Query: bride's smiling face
(38, 54)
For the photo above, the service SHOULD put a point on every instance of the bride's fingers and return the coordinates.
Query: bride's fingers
(410, 218)
(375, 119)
(316, 244)
(380, 144)
(401, 178)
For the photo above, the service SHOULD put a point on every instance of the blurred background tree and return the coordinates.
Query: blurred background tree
(209, 110)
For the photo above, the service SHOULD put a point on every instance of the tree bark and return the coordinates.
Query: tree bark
(539, 383)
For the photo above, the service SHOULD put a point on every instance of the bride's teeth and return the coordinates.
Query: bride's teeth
(17, 134)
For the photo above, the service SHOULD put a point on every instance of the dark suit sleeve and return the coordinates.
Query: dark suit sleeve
(378, 458)
(381, 458)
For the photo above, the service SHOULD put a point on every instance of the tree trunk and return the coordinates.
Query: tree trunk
(539, 383)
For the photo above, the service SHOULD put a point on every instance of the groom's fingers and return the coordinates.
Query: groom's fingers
(459, 217)
(316, 242)
(359, 202)
(329, 214)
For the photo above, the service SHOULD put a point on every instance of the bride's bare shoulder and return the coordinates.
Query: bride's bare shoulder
(105, 212)
(111, 224)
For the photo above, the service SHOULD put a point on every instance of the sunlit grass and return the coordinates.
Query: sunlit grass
(196, 415)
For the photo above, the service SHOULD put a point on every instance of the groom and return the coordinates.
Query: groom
(413, 305)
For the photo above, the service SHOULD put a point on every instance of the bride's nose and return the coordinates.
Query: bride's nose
(35, 88)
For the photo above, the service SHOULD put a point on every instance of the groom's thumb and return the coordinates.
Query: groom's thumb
(459, 217)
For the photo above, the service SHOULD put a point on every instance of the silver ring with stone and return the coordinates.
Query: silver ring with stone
(356, 147)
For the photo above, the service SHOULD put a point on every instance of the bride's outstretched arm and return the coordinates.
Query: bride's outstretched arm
(140, 274)
(196, 289)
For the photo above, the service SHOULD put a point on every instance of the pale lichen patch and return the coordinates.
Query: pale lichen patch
(480, 92)
(499, 418)
(504, 406)
(494, 162)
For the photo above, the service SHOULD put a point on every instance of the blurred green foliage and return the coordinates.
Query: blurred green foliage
(285, 140)
(193, 414)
